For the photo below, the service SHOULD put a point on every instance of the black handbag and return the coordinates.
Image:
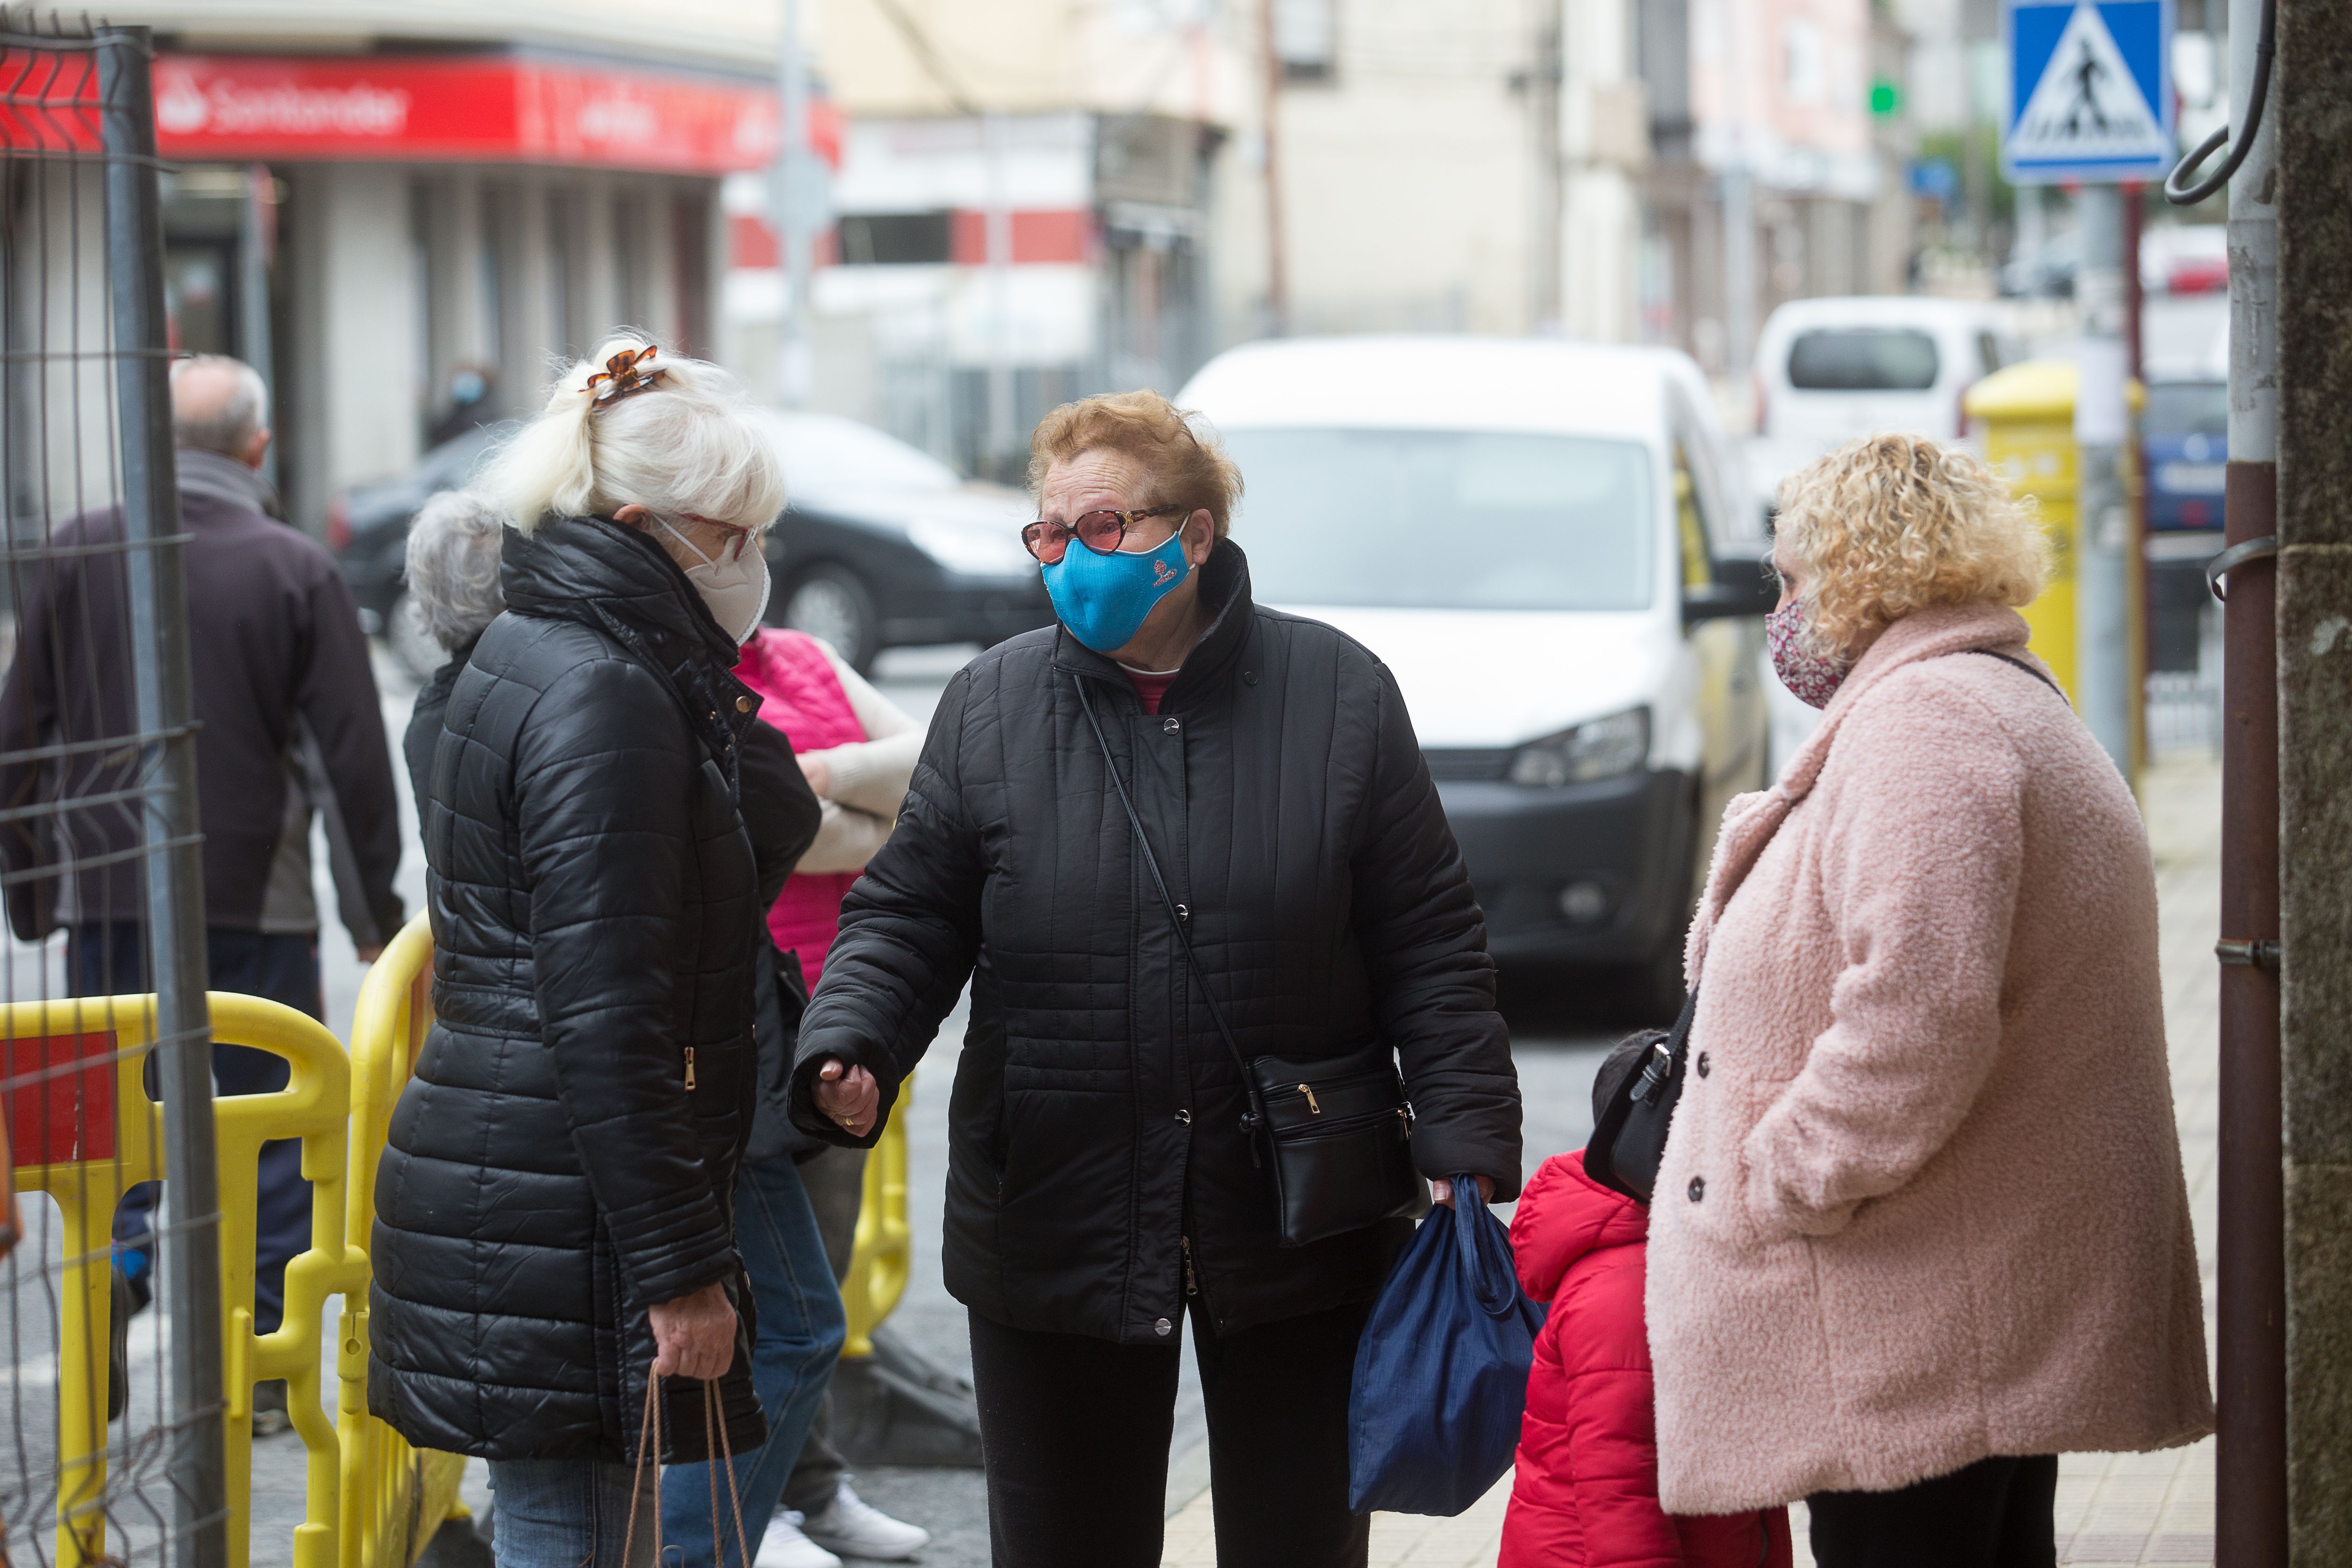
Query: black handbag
(1340, 1128)
(1629, 1138)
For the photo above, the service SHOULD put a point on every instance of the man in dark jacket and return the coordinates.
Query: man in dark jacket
(291, 721)
(1100, 1181)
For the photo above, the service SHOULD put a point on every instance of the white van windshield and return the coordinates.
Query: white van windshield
(1863, 359)
(1444, 519)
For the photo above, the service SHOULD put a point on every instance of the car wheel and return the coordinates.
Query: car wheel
(829, 601)
(1650, 991)
(411, 644)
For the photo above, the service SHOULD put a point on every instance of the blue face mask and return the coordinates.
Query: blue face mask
(1102, 598)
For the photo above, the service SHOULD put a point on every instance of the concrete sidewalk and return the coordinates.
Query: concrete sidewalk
(2113, 1509)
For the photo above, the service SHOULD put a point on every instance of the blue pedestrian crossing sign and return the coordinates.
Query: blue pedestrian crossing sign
(2090, 91)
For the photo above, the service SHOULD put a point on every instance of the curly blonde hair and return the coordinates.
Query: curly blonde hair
(1890, 524)
(1186, 464)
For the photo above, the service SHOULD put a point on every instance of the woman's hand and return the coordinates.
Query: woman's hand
(694, 1336)
(849, 1095)
(1441, 1190)
(819, 774)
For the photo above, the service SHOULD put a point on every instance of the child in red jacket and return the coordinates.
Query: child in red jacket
(1586, 1491)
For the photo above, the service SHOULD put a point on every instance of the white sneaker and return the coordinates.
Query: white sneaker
(856, 1528)
(786, 1547)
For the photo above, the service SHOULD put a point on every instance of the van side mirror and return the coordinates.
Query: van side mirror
(1743, 585)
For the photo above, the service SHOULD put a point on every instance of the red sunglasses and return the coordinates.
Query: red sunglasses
(1101, 532)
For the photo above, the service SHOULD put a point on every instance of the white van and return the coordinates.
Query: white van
(1538, 538)
(1830, 369)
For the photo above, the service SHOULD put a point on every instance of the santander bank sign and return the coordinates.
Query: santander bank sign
(487, 108)
(221, 105)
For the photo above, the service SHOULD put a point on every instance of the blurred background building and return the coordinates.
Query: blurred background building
(404, 213)
(407, 214)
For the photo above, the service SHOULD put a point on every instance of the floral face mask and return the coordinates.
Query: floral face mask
(1812, 678)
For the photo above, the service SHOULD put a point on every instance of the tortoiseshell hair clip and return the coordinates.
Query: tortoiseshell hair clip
(623, 375)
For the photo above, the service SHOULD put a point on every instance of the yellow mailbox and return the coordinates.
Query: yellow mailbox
(2028, 413)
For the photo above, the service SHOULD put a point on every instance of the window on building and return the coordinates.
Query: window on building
(1306, 38)
(1806, 73)
(896, 239)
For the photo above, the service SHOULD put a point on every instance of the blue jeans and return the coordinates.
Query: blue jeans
(108, 957)
(568, 1513)
(800, 1328)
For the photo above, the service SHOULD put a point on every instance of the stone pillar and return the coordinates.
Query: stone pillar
(353, 361)
(2312, 107)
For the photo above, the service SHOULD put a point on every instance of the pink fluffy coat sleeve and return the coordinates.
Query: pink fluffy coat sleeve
(1920, 856)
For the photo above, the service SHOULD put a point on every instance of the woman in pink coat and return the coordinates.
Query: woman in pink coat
(1921, 1224)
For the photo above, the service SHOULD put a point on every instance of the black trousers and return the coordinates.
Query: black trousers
(1995, 1513)
(1075, 1433)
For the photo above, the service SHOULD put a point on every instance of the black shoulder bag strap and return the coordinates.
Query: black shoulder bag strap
(1254, 1118)
(2021, 664)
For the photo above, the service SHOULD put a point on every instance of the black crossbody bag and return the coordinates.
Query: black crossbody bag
(1338, 1128)
(1629, 1141)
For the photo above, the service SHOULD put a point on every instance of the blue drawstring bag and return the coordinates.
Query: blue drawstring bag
(1442, 1370)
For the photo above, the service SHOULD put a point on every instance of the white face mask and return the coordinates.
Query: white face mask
(735, 589)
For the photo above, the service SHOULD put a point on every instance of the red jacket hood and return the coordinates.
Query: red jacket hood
(1564, 1215)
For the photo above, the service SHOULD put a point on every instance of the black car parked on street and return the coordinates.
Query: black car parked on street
(880, 546)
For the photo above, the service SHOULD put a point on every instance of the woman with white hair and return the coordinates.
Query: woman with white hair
(555, 1204)
(453, 581)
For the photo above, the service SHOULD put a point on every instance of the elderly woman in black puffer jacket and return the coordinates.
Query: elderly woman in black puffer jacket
(1101, 1184)
(554, 1206)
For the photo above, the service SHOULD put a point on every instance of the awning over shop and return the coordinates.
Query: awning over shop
(470, 108)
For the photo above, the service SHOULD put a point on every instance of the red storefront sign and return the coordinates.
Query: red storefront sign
(449, 108)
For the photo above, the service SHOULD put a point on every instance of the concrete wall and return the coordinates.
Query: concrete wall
(2312, 105)
(1406, 178)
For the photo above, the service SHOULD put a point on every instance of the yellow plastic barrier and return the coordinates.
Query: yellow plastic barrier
(395, 1495)
(109, 1136)
(84, 1131)
(877, 1267)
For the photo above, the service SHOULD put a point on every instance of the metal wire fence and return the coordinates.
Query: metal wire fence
(110, 1421)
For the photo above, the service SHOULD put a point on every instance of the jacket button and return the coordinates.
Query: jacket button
(1698, 1189)
(742, 705)
(1163, 1326)
(1185, 1117)
(1171, 726)
(1702, 1064)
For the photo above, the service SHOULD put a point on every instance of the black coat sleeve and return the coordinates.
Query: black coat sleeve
(28, 714)
(780, 810)
(344, 718)
(909, 933)
(1425, 945)
(603, 777)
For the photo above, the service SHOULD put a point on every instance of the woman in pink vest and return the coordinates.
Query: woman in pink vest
(858, 752)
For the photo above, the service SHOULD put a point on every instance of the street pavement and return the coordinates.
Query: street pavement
(2112, 1510)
